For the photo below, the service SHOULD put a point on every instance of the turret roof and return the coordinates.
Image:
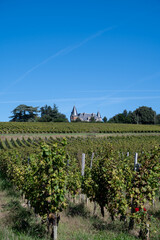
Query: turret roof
(74, 111)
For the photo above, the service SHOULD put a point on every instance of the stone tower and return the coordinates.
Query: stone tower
(74, 114)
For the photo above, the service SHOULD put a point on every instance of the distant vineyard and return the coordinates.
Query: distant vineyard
(36, 127)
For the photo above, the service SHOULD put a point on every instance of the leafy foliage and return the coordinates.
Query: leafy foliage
(49, 173)
(142, 115)
(49, 114)
(41, 177)
(145, 115)
(24, 113)
(74, 127)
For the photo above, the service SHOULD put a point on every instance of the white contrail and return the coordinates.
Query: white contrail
(117, 91)
(40, 64)
(111, 99)
(63, 51)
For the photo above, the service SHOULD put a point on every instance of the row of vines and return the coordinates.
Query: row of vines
(46, 172)
(37, 127)
(77, 145)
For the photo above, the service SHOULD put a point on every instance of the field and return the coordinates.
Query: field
(46, 171)
(37, 127)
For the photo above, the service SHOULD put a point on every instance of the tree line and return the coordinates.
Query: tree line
(142, 115)
(24, 113)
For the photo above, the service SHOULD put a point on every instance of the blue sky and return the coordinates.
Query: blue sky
(98, 55)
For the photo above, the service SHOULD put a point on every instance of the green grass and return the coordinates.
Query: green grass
(19, 222)
(9, 234)
(77, 221)
(81, 235)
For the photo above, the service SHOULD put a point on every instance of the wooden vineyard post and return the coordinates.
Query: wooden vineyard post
(82, 173)
(67, 166)
(131, 223)
(54, 232)
(136, 162)
(94, 209)
(92, 160)
(94, 206)
(87, 200)
(83, 164)
(28, 202)
(53, 220)
(147, 237)
(153, 203)
(67, 162)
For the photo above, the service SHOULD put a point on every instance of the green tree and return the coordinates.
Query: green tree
(104, 119)
(158, 119)
(145, 115)
(120, 118)
(142, 115)
(49, 114)
(24, 113)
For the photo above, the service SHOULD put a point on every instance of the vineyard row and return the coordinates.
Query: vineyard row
(37, 127)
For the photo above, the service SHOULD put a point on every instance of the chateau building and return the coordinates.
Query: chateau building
(84, 116)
